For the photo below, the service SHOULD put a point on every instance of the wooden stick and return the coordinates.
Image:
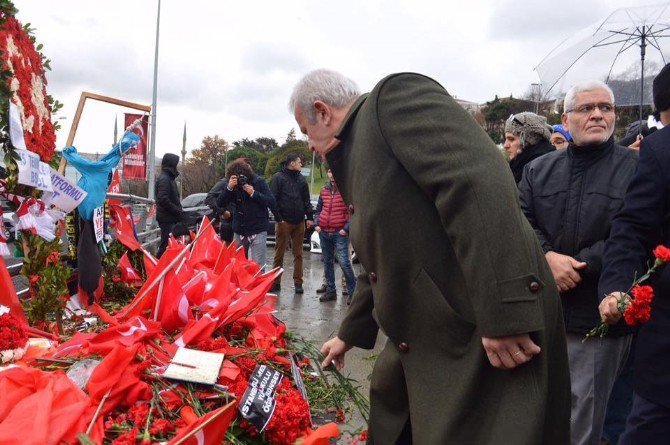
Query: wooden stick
(224, 410)
(159, 298)
(97, 412)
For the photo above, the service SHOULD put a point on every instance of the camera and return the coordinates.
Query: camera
(242, 180)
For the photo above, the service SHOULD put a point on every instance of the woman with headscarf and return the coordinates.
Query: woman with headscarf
(560, 138)
(526, 138)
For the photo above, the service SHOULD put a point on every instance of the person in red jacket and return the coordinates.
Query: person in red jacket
(332, 224)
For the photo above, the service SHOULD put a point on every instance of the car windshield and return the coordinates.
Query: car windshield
(194, 200)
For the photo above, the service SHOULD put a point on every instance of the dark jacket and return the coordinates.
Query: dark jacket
(225, 225)
(570, 197)
(454, 274)
(292, 195)
(168, 205)
(251, 212)
(528, 154)
(331, 212)
(642, 224)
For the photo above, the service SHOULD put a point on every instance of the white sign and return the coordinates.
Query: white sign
(66, 195)
(32, 172)
(99, 223)
(15, 128)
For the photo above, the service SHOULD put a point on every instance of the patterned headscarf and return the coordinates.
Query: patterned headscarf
(530, 128)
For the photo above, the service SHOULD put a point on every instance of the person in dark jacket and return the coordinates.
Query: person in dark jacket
(293, 206)
(526, 138)
(642, 224)
(570, 197)
(332, 224)
(223, 215)
(252, 198)
(168, 205)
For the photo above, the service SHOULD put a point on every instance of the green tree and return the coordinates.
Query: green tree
(255, 157)
(261, 144)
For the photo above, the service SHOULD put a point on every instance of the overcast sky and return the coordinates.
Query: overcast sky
(227, 68)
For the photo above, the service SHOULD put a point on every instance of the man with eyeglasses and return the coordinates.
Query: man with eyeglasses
(570, 197)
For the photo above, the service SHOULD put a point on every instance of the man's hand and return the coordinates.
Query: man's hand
(565, 270)
(334, 350)
(310, 223)
(232, 183)
(511, 351)
(636, 145)
(317, 229)
(609, 307)
(248, 188)
(343, 232)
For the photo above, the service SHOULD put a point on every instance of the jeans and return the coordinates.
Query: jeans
(335, 245)
(166, 229)
(256, 250)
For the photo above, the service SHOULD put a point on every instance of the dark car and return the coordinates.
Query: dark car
(194, 209)
(308, 232)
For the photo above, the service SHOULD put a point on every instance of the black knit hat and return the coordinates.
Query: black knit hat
(662, 89)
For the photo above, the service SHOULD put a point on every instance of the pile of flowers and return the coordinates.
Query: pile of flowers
(13, 337)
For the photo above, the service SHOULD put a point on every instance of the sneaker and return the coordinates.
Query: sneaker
(299, 289)
(321, 290)
(328, 296)
(275, 288)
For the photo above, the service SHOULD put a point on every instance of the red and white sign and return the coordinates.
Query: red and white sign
(135, 159)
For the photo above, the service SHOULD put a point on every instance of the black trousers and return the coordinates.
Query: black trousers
(647, 424)
(166, 229)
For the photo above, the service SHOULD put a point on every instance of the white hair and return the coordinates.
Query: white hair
(327, 86)
(590, 85)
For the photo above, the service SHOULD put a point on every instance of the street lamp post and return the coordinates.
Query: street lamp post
(151, 162)
(537, 95)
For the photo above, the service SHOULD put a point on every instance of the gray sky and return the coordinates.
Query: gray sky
(227, 68)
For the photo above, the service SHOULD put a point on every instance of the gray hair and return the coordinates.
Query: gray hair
(591, 85)
(327, 86)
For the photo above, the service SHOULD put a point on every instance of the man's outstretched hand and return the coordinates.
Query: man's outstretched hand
(334, 350)
(511, 351)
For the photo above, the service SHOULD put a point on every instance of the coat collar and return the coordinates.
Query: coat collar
(350, 117)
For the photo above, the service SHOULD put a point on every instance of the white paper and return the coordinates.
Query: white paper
(195, 366)
(99, 223)
(32, 172)
(66, 195)
(15, 127)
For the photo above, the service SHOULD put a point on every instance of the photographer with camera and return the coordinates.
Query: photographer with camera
(252, 197)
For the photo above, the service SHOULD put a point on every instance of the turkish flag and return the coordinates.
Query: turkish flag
(209, 429)
(175, 309)
(124, 228)
(114, 187)
(321, 435)
(207, 247)
(128, 273)
(8, 296)
(134, 331)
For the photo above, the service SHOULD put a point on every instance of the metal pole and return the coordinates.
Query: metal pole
(643, 48)
(116, 130)
(151, 162)
(183, 164)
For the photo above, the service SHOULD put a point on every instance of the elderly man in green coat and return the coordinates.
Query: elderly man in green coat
(456, 279)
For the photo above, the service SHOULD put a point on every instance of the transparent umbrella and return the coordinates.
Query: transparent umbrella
(624, 50)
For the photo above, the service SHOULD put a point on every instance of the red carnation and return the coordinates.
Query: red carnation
(662, 253)
(643, 295)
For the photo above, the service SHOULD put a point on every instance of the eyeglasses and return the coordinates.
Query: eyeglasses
(590, 108)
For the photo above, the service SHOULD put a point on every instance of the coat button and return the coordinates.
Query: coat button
(351, 209)
(534, 286)
(373, 277)
(403, 347)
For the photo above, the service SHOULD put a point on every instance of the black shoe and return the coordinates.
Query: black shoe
(345, 292)
(321, 290)
(299, 289)
(275, 288)
(349, 301)
(328, 296)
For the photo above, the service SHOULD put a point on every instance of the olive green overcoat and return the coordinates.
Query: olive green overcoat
(436, 223)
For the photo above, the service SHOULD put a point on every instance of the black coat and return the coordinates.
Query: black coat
(642, 224)
(528, 154)
(168, 205)
(570, 197)
(292, 195)
(251, 212)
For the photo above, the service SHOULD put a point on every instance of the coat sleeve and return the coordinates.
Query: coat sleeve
(454, 162)
(213, 195)
(309, 211)
(638, 227)
(275, 189)
(225, 196)
(359, 327)
(526, 201)
(163, 188)
(319, 207)
(263, 194)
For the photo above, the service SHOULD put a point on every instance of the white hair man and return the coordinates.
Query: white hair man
(570, 197)
(462, 299)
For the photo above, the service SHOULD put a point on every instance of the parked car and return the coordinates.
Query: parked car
(7, 219)
(194, 209)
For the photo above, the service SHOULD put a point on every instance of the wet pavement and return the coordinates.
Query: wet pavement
(316, 321)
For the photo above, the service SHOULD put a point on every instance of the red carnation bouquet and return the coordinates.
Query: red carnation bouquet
(13, 337)
(635, 304)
